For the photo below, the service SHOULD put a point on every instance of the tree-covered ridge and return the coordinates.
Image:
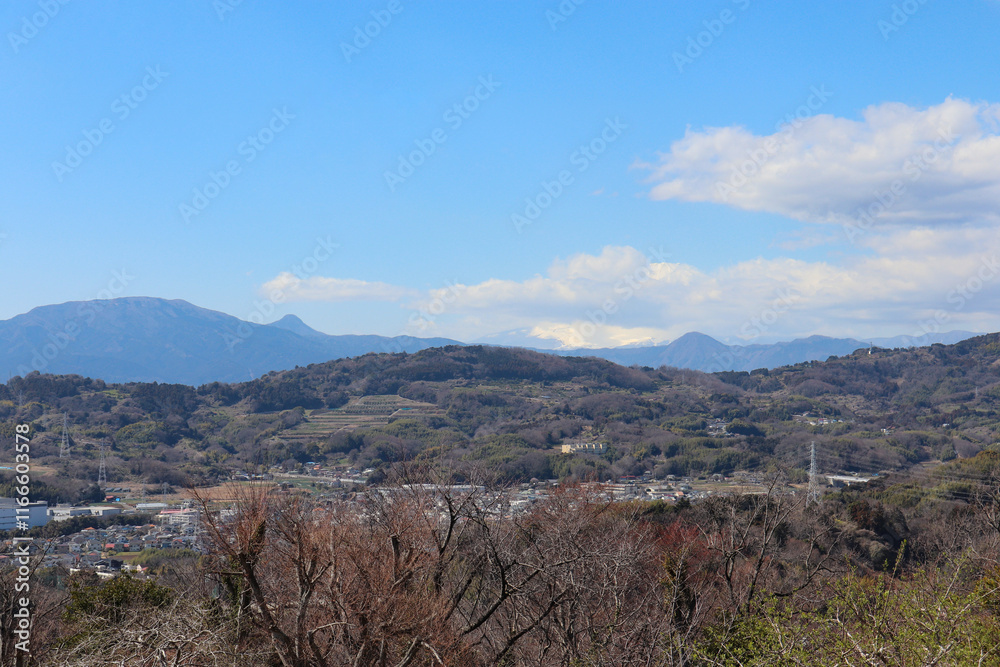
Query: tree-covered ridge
(512, 408)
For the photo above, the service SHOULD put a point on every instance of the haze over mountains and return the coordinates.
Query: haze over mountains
(703, 353)
(152, 339)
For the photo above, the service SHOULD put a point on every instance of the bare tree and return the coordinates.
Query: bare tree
(434, 574)
(44, 606)
(187, 633)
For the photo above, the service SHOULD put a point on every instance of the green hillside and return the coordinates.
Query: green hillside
(510, 409)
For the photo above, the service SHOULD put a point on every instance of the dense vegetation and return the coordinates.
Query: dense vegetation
(510, 409)
(443, 575)
(899, 571)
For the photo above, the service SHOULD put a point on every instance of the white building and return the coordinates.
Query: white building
(188, 517)
(583, 448)
(846, 480)
(63, 512)
(151, 507)
(105, 511)
(37, 514)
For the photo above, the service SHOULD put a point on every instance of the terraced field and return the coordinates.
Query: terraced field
(364, 411)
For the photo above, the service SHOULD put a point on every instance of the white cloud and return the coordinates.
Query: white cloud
(929, 177)
(292, 288)
(623, 296)
(943, 161)
(574, 334)
(617, 274)
(910, 276)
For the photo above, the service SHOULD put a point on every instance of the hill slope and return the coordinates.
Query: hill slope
(510, 409)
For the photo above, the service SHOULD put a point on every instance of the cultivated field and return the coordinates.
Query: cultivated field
(364, 411)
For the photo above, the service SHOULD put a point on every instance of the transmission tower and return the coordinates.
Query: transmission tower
(64, 446)
(102, 471)
(813, 495)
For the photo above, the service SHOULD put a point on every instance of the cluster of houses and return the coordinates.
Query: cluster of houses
(95, 548)
(815, 420)
(336, 476)
(622, 490)
(105, 551)
(647, 489)
(517, 500)
(717, 428)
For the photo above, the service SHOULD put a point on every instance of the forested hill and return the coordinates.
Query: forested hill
(510, 409)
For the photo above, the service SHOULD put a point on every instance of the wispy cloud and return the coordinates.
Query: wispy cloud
(317, 288)
(925, 166)
(623, 295)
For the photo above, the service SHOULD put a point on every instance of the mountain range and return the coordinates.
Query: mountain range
(698, 351)
(146, 339)
(150, 339)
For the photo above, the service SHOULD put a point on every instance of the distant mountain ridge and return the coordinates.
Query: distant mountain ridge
(701, 352)
(149, 339)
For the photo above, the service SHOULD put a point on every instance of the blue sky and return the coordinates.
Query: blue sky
(319, 217)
